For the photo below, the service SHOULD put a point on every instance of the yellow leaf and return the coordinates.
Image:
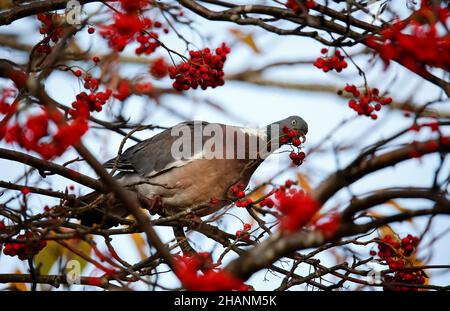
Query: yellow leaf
(140, 244)
(53, 251)
(47, 257)
(258, 193)
(303, 182)
(387, 230)
(246, 38)
(19, 286)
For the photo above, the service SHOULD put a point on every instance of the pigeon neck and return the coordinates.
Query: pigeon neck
(272, 137)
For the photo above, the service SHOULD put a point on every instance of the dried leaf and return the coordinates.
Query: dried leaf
(304, 182)
(19, 286)
(258, 193)
(140, 244)
(246, 38)
(387, 230)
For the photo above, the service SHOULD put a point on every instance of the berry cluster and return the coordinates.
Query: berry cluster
(238, 191)
(267, 202)
(297, 208)
(123, 90)
(126, 28)
(294, 6)
(86, 103)
(90, 83)
(335, 62)
(126, 88)
(51, 31)
(148, 43)
(187, 270)
(368, 102)
(203, 69)
(395, 252)
(297, 157)
(293, 137)
(34, 135)
(290, 136)
(159, 68)
(419, 42)
(328, 224)
(24, 250)
(244, 233)
(244, 203)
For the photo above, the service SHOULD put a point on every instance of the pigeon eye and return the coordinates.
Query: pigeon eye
(293, 122)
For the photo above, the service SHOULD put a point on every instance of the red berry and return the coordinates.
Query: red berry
(296, 141)
(91, 30)
(267, 202)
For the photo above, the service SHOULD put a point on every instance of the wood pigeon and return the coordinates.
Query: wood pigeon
(191, 165)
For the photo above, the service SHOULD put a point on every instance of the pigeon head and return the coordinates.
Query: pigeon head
(295, 123)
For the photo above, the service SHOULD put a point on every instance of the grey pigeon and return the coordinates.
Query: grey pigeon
(191, 165)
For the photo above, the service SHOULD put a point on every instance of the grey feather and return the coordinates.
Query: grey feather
(152, 156)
